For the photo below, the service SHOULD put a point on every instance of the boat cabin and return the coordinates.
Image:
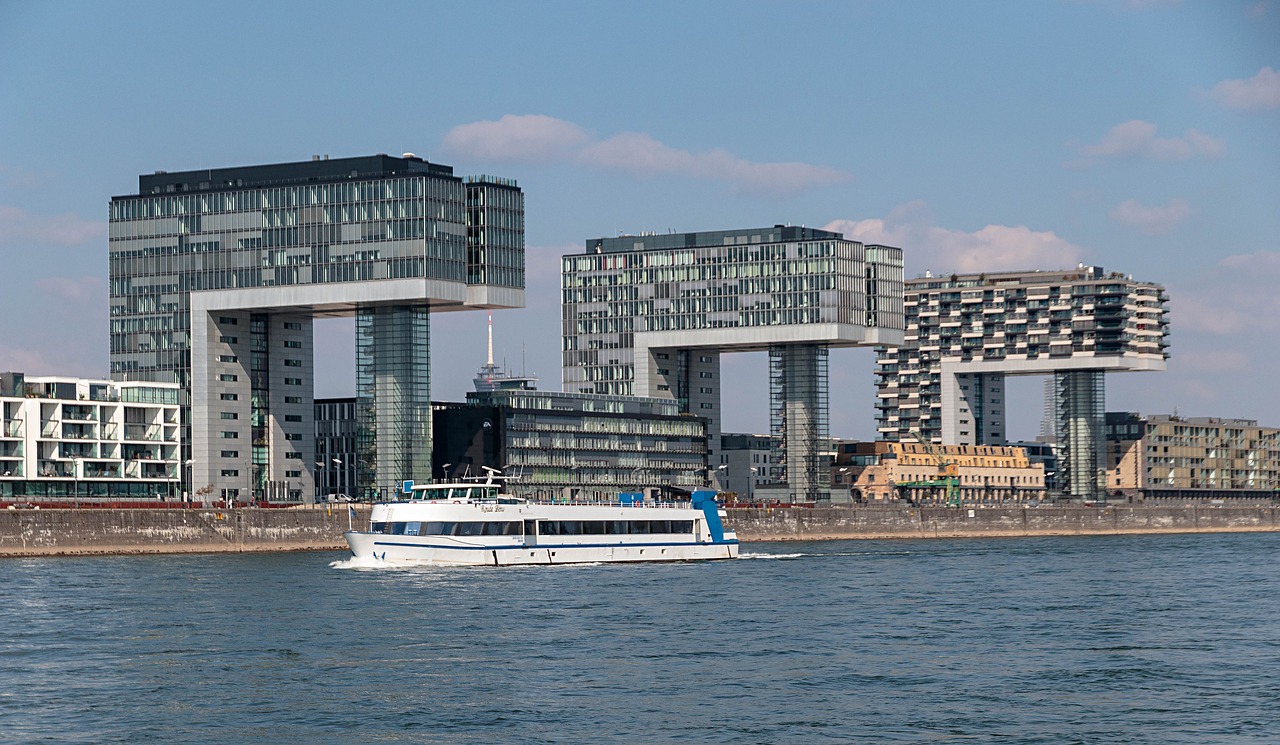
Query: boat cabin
(456, 492)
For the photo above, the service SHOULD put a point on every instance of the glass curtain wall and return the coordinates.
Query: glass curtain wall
(1080, 400)
(393, 399)
(798, 393)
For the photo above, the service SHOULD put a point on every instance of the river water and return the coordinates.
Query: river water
(1132, 639)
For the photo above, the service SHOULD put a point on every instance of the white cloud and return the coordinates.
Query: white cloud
(641, 155)
(1258, 93)
(17, 226)
(529, 138)
(941, 250)
(1151, 220)
(1137, 139)
(546, 139)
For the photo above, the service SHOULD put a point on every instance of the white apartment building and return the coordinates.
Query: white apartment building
(63, 437)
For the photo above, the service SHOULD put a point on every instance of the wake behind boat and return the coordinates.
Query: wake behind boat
(475, 524)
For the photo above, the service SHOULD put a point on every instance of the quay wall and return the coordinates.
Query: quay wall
(47, 532)
(27, 532)
(965, 522)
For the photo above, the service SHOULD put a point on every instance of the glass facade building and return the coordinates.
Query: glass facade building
(649, 315)
(217, 274)
(966, 332)
(552, 445)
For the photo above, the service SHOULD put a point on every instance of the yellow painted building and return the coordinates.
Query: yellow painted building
(876, 471)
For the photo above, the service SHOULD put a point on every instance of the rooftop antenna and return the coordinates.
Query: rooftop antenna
(490, 338)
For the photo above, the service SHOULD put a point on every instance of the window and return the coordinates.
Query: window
(227, 358)
(705, 389)
(293, 363)
(291, 344)
(229, 472)
(704, 358)
(229, 415)
(662, 356)
(293, 399)
(292, 436)
(229, 396)
(706, 375)
(293, 325)
(228, 378)
(229, 339)
(663, 371)
(293, 381)
(230, 435)
(706, 406)
(293, 456)
(293, 474)
(228, 320)
(293, 417)
(230, 454)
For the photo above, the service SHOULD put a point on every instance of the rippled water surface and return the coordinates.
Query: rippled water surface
(1147, 639)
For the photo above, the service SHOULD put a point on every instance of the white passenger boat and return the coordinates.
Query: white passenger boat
(475, 524)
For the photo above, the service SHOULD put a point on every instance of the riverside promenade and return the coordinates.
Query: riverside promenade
(72, 532)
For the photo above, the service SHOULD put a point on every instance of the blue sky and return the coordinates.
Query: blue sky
(1142, 136)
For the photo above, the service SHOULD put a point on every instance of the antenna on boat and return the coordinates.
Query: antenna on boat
(492, 472)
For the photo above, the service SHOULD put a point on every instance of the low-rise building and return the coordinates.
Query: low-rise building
(1168, 456)
(552, 445)
(924, 472)
(748, 462)
(63, 437)
(335, 448)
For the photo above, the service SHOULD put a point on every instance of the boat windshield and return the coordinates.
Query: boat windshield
(454, 491)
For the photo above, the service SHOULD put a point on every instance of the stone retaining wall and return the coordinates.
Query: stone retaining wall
(123, 531)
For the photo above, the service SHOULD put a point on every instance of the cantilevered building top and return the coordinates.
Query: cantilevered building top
(1038, 321)
(708, 238)
(318, 169)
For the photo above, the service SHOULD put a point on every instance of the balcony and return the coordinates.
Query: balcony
(141, 432)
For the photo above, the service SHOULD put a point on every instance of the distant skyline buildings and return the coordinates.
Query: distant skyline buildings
(1167, 169)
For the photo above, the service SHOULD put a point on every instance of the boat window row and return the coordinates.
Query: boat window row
(613, 527)
(545, 527)
(511, 527)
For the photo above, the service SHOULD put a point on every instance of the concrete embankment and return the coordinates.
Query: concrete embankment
(51, 532)
(150, 531)
(964, 522)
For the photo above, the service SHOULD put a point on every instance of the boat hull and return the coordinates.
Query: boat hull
(512, 550)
